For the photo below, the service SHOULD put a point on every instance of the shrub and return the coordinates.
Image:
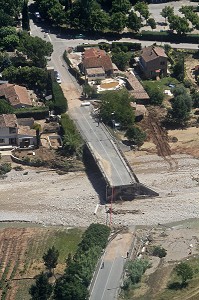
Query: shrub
(159, 251)
(134, 270)
(5, 168)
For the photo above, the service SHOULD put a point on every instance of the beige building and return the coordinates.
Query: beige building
(12, 134)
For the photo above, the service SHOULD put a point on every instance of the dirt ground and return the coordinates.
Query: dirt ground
(190, 64)
(181, 243)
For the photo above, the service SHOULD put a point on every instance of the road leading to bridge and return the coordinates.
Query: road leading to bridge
(103, 148)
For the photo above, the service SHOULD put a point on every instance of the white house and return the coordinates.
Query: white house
(12, 134)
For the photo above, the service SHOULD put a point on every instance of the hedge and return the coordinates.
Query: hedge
(129, 45)
(168, 37)
(59, 103)
(37, 114)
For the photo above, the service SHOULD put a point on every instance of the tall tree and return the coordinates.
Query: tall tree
(42, 289)
(134, 22)
(35, 48)
(151, 22)
(118, 22)
(51, 258)
(167, 11)
(143, 9)
(25, 16)
(180, 25)
(136, 135)
(121, 6)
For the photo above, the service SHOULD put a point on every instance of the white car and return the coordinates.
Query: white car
(58, 79)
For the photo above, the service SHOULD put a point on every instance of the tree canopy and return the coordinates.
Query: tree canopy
(51, 258)
(135, 135)
(116, 105)
(42, 289)
(35, 48)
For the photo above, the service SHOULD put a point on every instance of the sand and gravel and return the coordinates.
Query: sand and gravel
(70, 199)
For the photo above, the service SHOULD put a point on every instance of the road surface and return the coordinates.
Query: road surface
(108, 279)
(103, 147)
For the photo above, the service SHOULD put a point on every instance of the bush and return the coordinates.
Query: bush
(134, 270)
(5, 168)
(159, 251)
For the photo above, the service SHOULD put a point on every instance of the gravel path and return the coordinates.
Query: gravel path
(70, 199)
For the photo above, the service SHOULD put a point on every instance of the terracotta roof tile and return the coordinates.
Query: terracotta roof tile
(151, 53)
(96, 58)
(15, 94)
(9, 120)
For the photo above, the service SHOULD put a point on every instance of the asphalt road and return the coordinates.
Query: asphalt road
(104, 148)
(108, 280)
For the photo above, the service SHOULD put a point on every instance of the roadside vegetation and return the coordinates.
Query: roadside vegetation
(73, 284)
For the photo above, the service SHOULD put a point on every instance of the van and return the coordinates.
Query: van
(85, 103)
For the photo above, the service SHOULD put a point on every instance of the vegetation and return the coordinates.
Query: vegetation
(5, 107)
(184, 271)
(42, 289)
(136, 135)
(116, 106)
(181, 106)
(134, 270)
(159, 251)
(5, 168)
(73, 284)
(155, 93)
(59, 103)
(51, 258)
(72, 143)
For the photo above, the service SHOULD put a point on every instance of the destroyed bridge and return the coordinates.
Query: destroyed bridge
(121, 181)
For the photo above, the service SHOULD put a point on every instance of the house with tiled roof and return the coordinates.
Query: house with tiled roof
(136, 89)
(153, 62)
(14, 135)
(17, 96)
(96, 64)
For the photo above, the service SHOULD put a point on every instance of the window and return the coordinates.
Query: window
(12, 130)
(2, 141)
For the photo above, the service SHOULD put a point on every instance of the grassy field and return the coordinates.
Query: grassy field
(162, 84)
(22, 248)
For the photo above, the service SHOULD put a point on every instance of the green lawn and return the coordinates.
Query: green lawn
(163, 83)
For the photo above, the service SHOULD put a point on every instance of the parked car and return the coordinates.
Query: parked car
(37, 16)
(58, 79)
